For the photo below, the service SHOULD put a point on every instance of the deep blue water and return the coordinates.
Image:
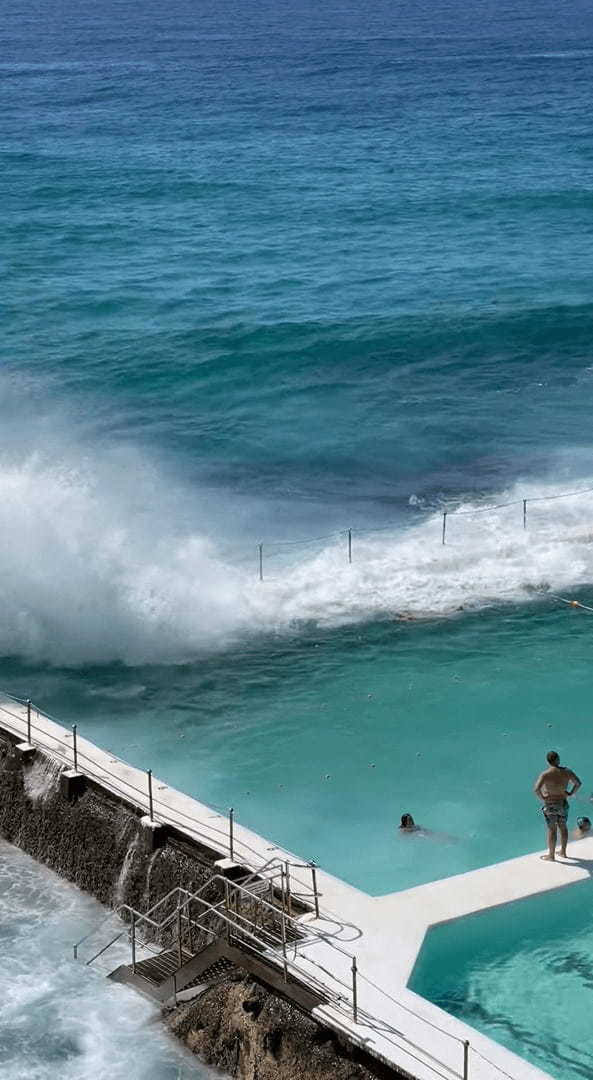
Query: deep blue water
(270, 272)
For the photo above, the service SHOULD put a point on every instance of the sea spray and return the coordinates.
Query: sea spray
(90, 576)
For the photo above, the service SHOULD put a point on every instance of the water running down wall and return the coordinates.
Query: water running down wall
(241, 1026)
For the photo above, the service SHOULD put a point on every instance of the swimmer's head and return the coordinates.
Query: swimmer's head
(553, 757)
(583, 824)
(407, 822)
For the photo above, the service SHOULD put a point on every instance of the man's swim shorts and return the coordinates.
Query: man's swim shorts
(556, 813)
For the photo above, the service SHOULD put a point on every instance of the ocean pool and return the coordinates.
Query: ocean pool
(522, 974)
(322, 739)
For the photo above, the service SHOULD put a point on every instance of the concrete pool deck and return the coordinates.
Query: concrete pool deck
(385, 934)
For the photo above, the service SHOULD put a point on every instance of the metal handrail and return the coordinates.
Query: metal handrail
(142, 798)
(104, 779)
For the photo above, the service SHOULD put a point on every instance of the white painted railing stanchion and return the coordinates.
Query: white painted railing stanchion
(29, 721)
(75, 747)
(231, 832)
(524, 513)
(150, 806)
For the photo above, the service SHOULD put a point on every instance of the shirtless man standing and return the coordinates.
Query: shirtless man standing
(551, 787)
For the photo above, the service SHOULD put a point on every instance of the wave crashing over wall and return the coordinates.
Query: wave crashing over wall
(104, 563)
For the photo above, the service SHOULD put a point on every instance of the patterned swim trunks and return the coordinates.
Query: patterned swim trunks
(556, 813)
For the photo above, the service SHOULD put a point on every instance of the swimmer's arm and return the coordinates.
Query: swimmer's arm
(576, 783)
(539, 783)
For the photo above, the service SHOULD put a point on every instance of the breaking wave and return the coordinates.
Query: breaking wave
(103, 563)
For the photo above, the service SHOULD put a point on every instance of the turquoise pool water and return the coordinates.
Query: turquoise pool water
(322, 739)
(522, 974)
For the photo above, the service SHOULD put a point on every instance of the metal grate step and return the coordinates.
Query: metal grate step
(158, 968)
(218, 970)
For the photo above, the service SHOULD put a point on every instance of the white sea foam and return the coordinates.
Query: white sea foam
(105, 563)
(59, 1017)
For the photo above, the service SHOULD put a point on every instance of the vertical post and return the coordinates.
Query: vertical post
(466, 1060)
(133, 944)
(444, 525)
(349, 545)
(524, 513)
(283, 930)
(179, 945)
(175, 987)
(227, 904)
(354, 991)
(288, 897)
(150, 805)
(190, 925)
(283, 888)
(260, 548)
(75, 747)
(29, 721)
(232, 833)
(315, 893)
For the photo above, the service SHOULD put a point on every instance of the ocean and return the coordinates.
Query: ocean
(273, 272)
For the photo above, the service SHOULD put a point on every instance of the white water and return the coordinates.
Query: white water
(41, 778)
(59, 1018)
(106, 563)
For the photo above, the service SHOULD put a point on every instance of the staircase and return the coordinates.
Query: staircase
(169, 976)
(248, 927)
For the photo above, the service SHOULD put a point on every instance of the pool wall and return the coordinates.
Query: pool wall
(358, 949)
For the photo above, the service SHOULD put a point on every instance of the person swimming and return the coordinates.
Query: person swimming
(583, 827)
(407, 823)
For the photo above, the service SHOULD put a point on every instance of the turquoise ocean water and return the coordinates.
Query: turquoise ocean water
(270, 272)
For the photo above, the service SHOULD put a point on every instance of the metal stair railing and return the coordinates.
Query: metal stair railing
(220, 918)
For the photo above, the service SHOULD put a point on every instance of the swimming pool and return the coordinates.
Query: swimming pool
(522, 974)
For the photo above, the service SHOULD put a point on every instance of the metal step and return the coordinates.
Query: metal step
(155, 969)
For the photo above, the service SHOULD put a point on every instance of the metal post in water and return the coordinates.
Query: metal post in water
(133, 944)
(349, 545)
(524, 513)
(315, 893)
(75, 747)
(175, 987)
(466, 1060)
(150, 805)
(260, 548)
(354, 991)
(232, 833)
(444, 525)
(29, 721)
